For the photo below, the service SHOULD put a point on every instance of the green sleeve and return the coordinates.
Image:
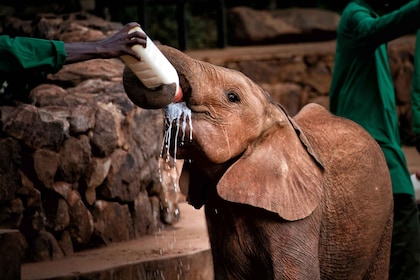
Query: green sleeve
(23, 53)
(373, 31)
(415, 92)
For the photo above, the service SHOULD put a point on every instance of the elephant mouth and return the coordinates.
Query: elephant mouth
(187, 90)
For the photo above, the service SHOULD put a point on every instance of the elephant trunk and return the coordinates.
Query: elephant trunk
(165, 94)
(147, 98)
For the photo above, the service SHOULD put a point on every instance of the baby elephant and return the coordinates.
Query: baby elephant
(307, 197)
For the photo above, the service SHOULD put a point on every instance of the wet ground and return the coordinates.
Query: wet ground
(176, 252)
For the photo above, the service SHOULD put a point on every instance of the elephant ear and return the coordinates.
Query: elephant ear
(279, 174)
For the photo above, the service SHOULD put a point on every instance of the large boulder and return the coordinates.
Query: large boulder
(252, 27)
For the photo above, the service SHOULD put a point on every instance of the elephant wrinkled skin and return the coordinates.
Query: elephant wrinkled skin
(307, 197)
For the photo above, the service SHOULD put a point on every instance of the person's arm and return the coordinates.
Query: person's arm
(114, 46)
(374, 31)
(23, 53)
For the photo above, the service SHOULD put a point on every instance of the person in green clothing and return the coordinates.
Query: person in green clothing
(362, 90)
(23, 59)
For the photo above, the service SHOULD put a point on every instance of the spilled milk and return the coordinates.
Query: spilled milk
(174, 112)
(177, 117)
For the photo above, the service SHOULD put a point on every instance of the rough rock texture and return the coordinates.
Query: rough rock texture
(78, 172)
(12, 246)
(250, 27)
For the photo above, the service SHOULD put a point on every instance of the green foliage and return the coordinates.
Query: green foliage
(161, 24)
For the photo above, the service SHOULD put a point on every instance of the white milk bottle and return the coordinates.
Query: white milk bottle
(154, 69)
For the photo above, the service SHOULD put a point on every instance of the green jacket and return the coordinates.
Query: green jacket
(415, 92)
(22, 53)
(362, 88)
(24, 62)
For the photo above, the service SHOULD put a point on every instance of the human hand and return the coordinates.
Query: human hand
(113, 46)
(121, 42)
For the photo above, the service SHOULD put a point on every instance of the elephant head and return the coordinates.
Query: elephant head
(238, 138)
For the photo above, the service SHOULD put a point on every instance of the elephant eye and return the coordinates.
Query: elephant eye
(233, 97)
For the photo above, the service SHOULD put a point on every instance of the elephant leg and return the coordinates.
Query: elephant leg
(252, 243)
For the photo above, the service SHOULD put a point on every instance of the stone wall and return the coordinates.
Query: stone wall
(80, 167)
